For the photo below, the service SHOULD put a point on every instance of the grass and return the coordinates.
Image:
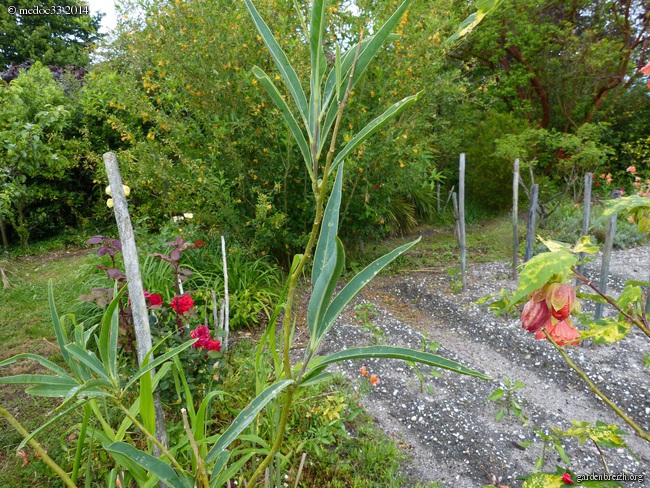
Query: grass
(25, 326)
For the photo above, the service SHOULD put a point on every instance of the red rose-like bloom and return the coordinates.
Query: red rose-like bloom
(202, 333)
(153, 298)
(182, 304)
(566, 479)
(214, 346)
(535, 315)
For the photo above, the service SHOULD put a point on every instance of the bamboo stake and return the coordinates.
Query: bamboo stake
(226, 312)
(136, 291)
(515, 220)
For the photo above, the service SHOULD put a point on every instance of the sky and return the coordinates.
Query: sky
(106, 6)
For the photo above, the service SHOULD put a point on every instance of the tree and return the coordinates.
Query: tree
(62, 34)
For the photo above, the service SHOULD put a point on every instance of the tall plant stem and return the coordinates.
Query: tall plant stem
(195, 449)
(592, 386)
(144, 430)
(81, 441)
(38, 448)
(319, 194)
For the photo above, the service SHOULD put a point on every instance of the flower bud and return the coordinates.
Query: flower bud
(109, 203)
(535, 316)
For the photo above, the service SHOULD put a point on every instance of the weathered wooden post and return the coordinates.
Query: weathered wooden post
(136, 291)
(607, 256)
(515, 220)
(586, 214)
(454, 201)
(532, 217)
(461, 218)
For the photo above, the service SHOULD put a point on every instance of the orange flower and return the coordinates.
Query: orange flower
(363, 371)
(374, 380)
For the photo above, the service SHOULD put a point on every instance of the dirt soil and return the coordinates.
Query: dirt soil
(450, 430)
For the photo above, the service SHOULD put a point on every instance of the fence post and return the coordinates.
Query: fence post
(515, 220)
(136, 291)
(586, 214)
(607, 256)
(461, 218)
(532, 217)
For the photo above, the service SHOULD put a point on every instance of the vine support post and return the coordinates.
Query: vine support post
(607, 256)
(461, 218)
(532, 218)
(136, 290)
(586, 214)
(515, 219)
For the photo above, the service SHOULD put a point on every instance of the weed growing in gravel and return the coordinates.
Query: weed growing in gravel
(505, 398)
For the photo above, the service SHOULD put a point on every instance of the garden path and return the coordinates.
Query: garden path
(450, 432)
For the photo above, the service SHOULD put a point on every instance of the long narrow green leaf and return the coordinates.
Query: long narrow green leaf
(189, 400)
(91, 388)
(219, 464)
(199, 424)
(281, 61)
(89, 359)
(108, 335)
(233, 469)
(336, 84)
(372, 127)
(46, 363)
(127, 455)
(135, 407)
(323, 290)
(326, 246)
(50, 391)
(147, 411)
(159, 360)
(392, 352)
(484, 7)
(275, 95)
(61, 337)
(355, 285)
(47, 424)
(318, 64)
(38, 379)
(245, 417)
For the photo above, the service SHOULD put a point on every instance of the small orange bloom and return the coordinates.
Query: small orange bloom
(374, 380)
(363, 371)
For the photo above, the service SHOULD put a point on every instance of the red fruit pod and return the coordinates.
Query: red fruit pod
(535, 315)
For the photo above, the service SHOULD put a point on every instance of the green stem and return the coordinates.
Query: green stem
(80, 442)
(641, 433)
(195, 448)
(38, 448)
(152, 437)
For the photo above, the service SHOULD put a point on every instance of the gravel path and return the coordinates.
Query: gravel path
(448, 427)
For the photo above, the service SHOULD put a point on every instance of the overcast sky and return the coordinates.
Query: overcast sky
(106, 6)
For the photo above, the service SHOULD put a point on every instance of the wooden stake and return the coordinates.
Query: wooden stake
(586, 214)
(461, 218)
(515, 220)
(607, 256)
(136, 291)
(532, 216)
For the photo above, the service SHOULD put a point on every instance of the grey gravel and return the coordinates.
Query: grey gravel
(447, 427)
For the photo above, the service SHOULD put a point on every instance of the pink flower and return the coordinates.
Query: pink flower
(182, 304)
(363, 371)
(631, 169)
(535, 315)
(374, 380)
(561, 300)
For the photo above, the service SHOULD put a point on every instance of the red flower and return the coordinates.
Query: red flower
(154, 299)
(182, 304)
(199, 243)
(566, 479)
(561, 299)
(549, 308)
(202, 333)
